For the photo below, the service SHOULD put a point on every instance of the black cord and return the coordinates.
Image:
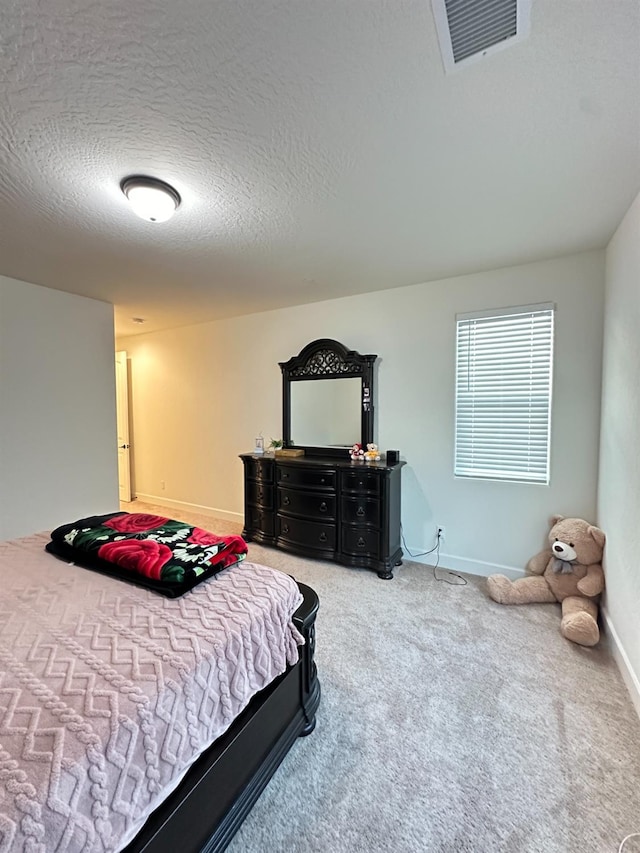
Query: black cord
(422, 553)
(460, 582)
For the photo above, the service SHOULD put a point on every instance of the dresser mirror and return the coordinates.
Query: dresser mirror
(327, 398)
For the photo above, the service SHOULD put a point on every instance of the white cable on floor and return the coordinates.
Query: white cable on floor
(631, 835)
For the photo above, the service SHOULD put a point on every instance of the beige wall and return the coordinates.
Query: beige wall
(619, 487)
(201, 394)
(57, 408)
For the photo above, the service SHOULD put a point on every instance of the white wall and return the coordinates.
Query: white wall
(200, 395)
(57, 408)
(619, 486)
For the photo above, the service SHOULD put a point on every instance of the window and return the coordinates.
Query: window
(504, 362)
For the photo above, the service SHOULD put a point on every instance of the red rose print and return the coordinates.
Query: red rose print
(135, 522)
(233, 546)
(144, 556)
(203, 537)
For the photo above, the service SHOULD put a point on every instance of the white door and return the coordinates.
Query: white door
(122, 413)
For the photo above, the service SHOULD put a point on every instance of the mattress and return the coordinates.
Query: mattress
(109, 692)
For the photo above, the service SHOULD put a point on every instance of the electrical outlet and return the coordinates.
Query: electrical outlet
(442, 533)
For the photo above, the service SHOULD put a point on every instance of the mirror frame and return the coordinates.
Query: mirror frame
(328, 359)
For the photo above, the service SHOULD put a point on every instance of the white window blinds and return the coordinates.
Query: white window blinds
(503, 394)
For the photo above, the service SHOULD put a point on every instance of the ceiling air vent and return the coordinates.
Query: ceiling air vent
(469, 30)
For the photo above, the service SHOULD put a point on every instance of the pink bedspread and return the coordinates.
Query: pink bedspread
(108, 692)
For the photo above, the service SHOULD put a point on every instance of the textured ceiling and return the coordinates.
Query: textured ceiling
(318, 147)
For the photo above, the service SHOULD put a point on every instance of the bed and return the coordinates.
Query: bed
(126, 722)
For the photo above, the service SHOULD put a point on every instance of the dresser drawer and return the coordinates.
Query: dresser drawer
(314, 505)
(357, 541)
(260, 492)
(260, 520)
(361, 510)
(310, 478)
(259, 469)
(361, 481)
(310, 534)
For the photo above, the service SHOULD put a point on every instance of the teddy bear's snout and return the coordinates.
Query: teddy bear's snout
(563, 551)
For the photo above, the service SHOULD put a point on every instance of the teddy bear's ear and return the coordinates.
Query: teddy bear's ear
(556, 518)
(597, 534)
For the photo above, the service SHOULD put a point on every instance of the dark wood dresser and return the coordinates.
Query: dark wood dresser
(325, 507)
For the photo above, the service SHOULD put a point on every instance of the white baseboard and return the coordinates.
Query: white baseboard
(205, 510)
(624, 664)
(463, 564)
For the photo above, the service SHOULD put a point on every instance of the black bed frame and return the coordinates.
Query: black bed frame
(207, 808)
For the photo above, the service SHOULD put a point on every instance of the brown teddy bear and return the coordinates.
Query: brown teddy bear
(570, 571)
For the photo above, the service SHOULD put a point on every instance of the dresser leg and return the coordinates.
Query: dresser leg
(309, 727)
(385, 574)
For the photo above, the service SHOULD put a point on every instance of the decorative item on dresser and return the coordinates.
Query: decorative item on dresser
(322, 504)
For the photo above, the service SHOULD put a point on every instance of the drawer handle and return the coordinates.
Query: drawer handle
(361, 542)
(285, 528)
(323, 537)
(322, 480)
(361, 483)
(285, 476)
(286, 501)
(360, 512)
(323, 507)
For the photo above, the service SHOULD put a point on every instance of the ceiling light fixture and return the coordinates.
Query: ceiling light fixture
(150, 198)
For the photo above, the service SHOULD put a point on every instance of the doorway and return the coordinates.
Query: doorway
(122, 417)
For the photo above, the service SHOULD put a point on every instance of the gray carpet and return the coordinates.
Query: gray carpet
(448, 723)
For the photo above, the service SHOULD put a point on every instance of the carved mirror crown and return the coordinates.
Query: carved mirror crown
(327, 361)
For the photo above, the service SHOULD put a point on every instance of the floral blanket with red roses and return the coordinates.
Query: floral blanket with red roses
(163, 554)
